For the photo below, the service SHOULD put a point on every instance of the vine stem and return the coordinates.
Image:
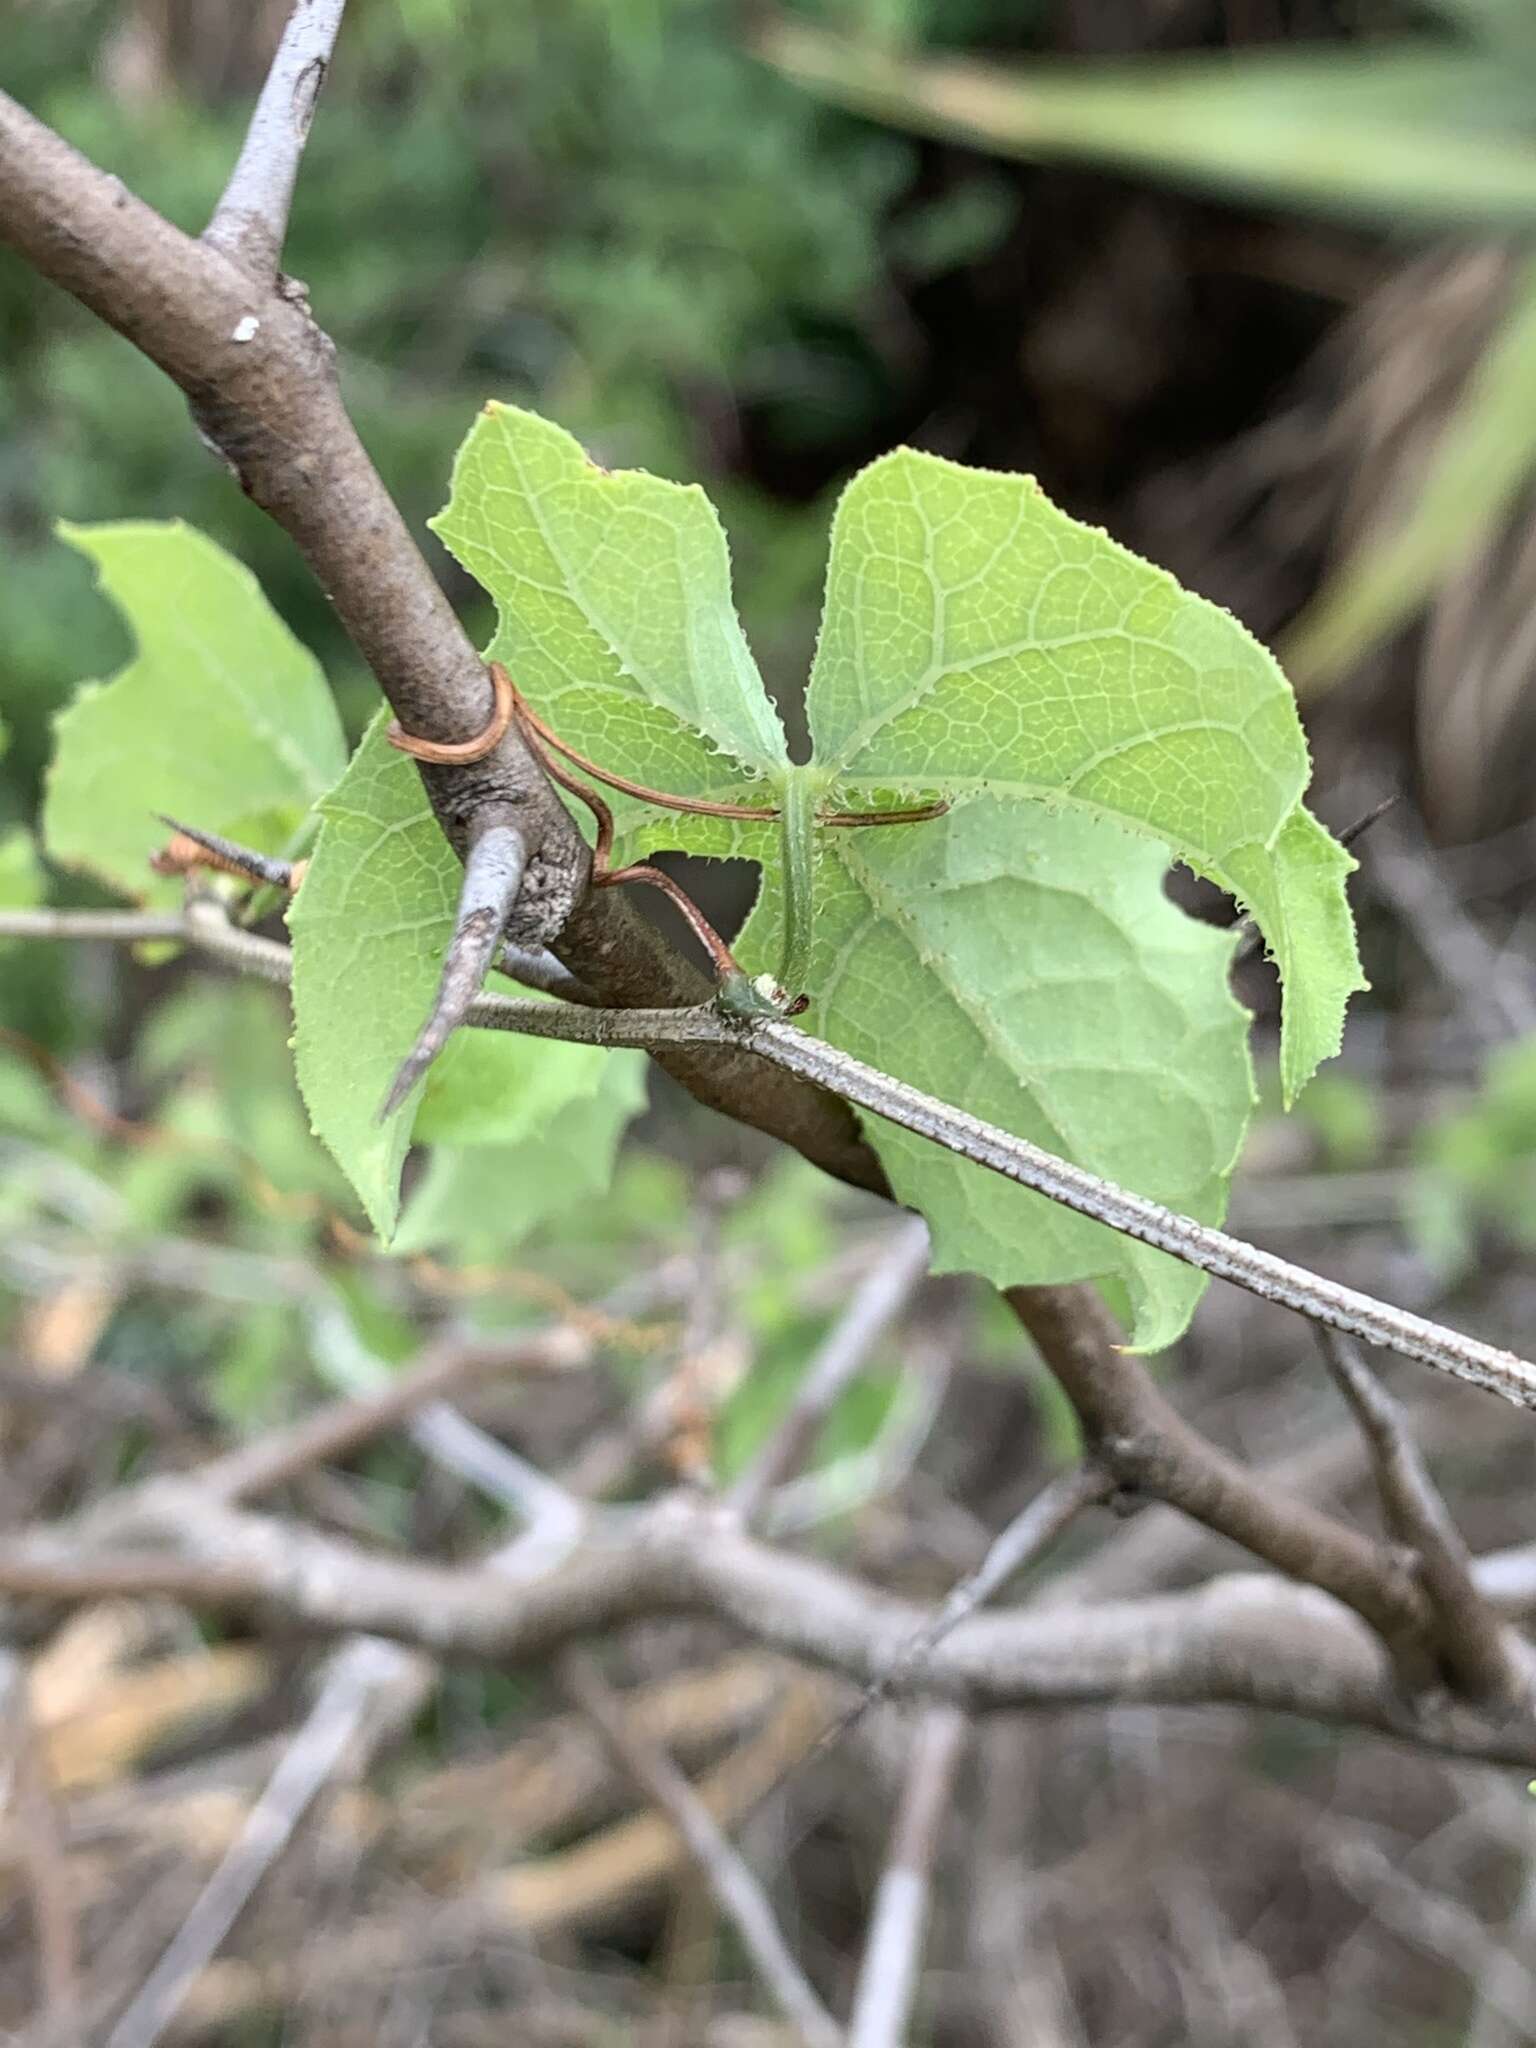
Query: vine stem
(839, 1073)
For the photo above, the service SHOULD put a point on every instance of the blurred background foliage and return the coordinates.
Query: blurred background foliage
(1247, 281)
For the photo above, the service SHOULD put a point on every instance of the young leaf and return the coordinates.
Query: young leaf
(369, 928)
(616, 616)
(975, 638)
(220, 718)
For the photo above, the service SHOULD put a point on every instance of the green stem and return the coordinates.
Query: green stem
(803, 790)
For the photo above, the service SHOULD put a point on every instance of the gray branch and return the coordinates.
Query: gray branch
(250, 222)
(737, 1893)
(838, 1073)
(1468, 1638)
(888, 1974)
(1244, 1639)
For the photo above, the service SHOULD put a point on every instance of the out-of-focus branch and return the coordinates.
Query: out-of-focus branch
(342, 1427)
(876, 1303)
(732, 1885)
(250, 222)
(1243, 1640)
(26, 1790)
(1468, 1638)
(888, 1974)
(1027, 1537)
(368, 1690)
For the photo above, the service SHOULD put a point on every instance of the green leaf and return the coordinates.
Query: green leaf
(1028, 965)
(552, 1150)
(614, 599)
(370, 926)
(977, 639)
(1483, 461)
(1018, 955)
(221, 718)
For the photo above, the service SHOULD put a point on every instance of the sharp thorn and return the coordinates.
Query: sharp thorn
(493, 874)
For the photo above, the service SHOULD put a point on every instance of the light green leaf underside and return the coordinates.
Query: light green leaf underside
(478, 1200)
(616, 617)
(1028, 965)
(976, 638)
(370, 926)
(220, 718)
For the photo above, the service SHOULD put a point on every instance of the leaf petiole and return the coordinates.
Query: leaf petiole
(738, 993)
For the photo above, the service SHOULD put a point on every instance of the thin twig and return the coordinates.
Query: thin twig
(1026, 1539)
(1405, 869)
(888, 1974)
(369, 1687)
(732, 1885)
(839, 1073)
(1469, 1638)
(343, 1426)
(250, 222)
(24, 1774)
(554, 1517)
(875, 1305)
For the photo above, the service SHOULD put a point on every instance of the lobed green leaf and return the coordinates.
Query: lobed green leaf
(615, 615)
(977, 639)
(221, 718)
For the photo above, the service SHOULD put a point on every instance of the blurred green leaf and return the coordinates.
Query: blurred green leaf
(478, 1200)
(22, 882)
(221, 719)
(1345, 1112)
(1484, 460)
(1411, 130)
(1477, 1165)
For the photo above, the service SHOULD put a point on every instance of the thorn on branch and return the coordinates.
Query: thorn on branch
(190, 849)
(537, 968)
(493, 874)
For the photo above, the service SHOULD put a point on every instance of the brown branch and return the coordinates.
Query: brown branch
(1151, 1450)
(342, 1427)
(1473, 1650)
